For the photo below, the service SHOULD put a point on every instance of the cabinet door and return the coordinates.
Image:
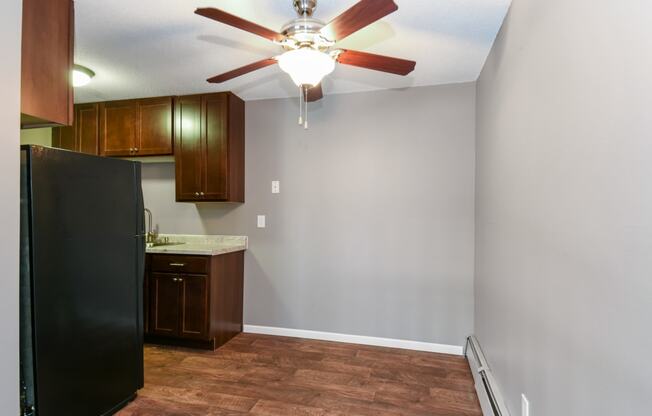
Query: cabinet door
(83, 136)
(236, 132)
(215, 143)
(146, 295)
(47, 60)
(64, 138)
(164, 304)
(87, 128)
(118, 128)
(194, 307)
(188, 153)
(155, 127)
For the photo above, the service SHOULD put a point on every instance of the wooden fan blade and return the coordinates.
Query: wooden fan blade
(240, 23)
(357, 17)
(315, 94)
(376, 62)
(241, 71)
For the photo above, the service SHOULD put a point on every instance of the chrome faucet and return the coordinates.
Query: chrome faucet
(151, 234)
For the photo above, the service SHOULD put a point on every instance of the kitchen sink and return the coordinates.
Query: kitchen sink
(165, 241)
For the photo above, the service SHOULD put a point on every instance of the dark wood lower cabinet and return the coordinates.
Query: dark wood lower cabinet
(193, 309)
(164, 304)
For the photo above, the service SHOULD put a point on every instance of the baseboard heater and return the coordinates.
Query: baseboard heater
(491, 400)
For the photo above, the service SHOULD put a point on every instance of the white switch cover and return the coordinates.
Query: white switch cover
(261, 221)
(276, 187)
(525, 406)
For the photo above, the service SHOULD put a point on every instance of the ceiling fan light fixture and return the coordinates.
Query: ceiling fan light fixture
(308, 43)
(306, 66)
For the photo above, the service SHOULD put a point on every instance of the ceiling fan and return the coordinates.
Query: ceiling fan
(309, 43)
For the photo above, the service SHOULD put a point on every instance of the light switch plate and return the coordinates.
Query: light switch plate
(525, 406)
(261, 221)
(276, 187)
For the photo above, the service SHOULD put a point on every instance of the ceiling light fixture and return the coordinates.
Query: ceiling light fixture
(81, 75)
(309, 44)
(307, 67)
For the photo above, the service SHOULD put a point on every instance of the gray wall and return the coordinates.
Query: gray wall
(372, 233)
(10, 21)
(564, 207)
(41, 137)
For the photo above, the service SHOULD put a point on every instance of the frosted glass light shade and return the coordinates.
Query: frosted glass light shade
(81, 76)
(306, 66)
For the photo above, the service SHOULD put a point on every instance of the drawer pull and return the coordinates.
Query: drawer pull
(177, 264)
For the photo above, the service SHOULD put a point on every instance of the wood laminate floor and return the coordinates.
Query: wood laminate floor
(276, 376)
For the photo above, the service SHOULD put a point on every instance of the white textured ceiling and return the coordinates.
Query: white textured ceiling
(143, 48)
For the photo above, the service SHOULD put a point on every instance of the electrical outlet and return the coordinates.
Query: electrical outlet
(525, 406)
(276, 187)
(261, 221)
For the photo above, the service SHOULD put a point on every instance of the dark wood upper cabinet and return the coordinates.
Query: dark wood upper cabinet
(83, 136)
(87, 128)
(188, 148)
(64, 138)
(209, 148)
(118, 127)
(216, 162)
(47, 59)
(140, 127)
(154, 126)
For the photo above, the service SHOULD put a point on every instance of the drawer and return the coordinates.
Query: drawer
(174, 263)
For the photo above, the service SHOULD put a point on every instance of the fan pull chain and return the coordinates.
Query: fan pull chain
(305, 99)
(300, 105)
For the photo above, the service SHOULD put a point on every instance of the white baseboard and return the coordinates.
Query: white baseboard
(356, 339)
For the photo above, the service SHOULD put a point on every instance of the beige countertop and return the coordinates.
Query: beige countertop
(201, 245)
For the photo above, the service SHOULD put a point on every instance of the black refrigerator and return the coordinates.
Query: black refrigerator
(82, 249)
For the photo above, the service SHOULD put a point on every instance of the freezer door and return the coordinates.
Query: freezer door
(86, 282)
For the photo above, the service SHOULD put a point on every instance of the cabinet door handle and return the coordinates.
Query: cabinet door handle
(196, 193)
(177, 264)
(201, 193)
(135, 149)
